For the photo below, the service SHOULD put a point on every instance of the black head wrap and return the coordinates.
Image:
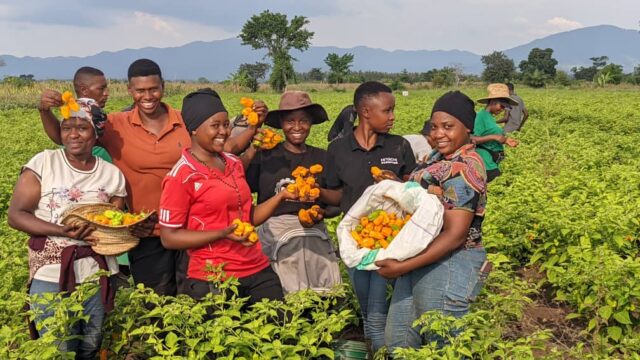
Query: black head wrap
(457, 105)
(200, 105)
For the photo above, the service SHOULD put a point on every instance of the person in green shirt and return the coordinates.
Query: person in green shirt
(487, 134)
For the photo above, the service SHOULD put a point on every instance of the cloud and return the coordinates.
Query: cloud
(554, 25)
(135, 30)
(562, 24)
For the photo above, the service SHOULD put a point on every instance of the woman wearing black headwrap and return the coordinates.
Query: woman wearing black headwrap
(447, 275)
(202, 196)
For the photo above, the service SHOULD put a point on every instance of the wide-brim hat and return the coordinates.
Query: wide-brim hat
(296, 100)
(498, 92)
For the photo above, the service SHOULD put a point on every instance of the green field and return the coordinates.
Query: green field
(562, 226)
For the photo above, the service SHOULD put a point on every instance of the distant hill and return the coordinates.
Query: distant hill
(575, 47)
(215, 60)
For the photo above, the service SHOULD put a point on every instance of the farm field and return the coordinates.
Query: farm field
(562, 228)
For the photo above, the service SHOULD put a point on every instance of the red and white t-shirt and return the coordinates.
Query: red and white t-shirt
(195, 197)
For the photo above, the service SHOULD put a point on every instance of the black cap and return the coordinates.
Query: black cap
(457, 105)
(200, 105)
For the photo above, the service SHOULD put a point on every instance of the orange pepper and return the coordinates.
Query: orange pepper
(375, 171)
(315, 169)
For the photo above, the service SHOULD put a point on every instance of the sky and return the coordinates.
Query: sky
(46, 28)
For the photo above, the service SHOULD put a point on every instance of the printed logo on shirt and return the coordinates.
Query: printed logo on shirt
(165, 215)
(197, 186)
(389, 160)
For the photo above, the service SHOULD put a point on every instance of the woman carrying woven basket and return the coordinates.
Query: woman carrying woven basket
(202, 196)
(59, 256)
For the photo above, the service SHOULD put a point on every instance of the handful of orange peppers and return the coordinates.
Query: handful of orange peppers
(305, 185)
(308, 217)
(267, 139)
(247, 111)
(244, 229)
(378, 229)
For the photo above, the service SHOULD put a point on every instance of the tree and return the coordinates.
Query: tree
(562, 78)
(237, 80)
(613, 73)
(539, 66)
(274, 32)
(316, 74)
(338, 67)
(252, 74)
(590, 73)
(497, 67)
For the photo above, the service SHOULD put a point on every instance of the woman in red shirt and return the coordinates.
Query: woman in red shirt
(201, 197)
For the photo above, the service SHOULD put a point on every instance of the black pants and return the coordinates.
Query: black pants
(158, 268)
(262, 285)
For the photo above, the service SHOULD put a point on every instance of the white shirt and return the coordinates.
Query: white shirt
(63, 186)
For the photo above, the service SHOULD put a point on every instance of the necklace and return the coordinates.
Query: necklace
(233, 186)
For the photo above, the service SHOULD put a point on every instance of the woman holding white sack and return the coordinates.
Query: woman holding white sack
(449, 273)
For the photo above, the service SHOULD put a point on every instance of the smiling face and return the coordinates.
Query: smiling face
(78, 136)
(296, 125)
(448, 133)
(146, 92)
(212, 133)
(378, 111)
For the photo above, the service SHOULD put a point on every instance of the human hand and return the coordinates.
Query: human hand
(385, 175)
(261, 109)
(48, 99)
(79, 231)
(511, 142)
(144, 228)
(390, 268)
(228, 233)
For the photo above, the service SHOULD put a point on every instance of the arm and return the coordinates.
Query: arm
(49, 99)
(248, 156)
(505, 117)
(331, 197)
(525, 115)
(485, 139)
(453, 235)
(24, 202)
(262, 212)
(181, 239)
(240, 142)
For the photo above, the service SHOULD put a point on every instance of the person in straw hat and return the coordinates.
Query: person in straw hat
(487, 135)
(59, 255)
(301, 253)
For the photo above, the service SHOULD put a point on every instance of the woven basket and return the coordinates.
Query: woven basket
(112, 240)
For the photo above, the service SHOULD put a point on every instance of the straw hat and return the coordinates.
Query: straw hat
(498, 92)
(296, 100)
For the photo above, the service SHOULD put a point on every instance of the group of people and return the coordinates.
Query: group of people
(199, 175)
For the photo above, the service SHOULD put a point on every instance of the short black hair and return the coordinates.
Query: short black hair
(367, 89)
(143, 67)
(82, 72)
(510, 86)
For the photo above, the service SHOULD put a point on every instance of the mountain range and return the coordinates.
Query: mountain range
(215, 60)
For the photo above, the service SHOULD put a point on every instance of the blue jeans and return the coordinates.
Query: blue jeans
(448, 285)
(88, 345)
(371, 291)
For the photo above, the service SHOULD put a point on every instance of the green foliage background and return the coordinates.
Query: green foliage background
(566, 208)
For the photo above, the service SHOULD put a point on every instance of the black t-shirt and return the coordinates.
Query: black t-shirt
(349, 165)
(270, 171)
